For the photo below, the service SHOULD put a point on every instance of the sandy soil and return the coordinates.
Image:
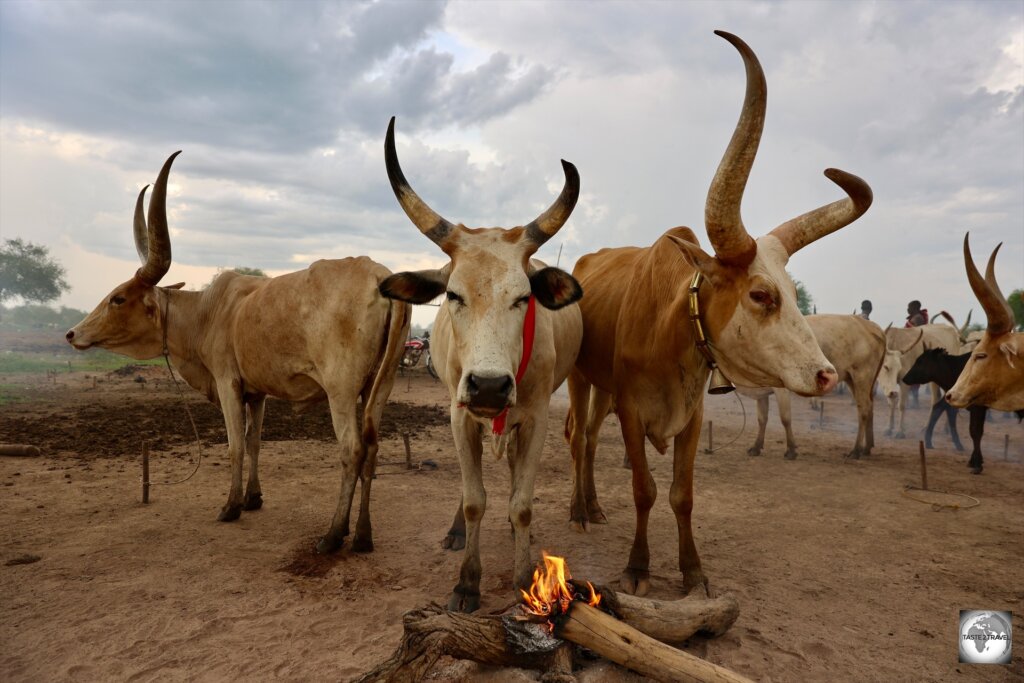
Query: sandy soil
(839, 575)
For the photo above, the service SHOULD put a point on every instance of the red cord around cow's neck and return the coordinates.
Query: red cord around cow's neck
(529, 328)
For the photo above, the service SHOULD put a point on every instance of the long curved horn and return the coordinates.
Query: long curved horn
(990, 280)
(1000, 317)
(139, 228)
(967, 323)
(158, 259)
(722, 217)
(430, 223)
(797, 233)
(920, 334)
(543, 228)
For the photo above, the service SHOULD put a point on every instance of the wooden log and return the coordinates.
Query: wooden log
(625, 645)
(19, 450)
(924, 468)
(145, 472)
(431, 632)
(408, 452)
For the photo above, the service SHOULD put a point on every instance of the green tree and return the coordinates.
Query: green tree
(241, 270)
(27, 271)
(804, 300)
(1016, 300)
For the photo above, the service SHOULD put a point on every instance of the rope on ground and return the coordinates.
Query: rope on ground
(743, 427)
(973, 502)
(195, 430)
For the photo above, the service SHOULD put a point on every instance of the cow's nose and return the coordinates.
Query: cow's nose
(489, 393)
(827, 380)
(70, 335)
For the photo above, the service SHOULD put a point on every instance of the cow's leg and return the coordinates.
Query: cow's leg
(786, 416)
(346, 428)
(465, 596)
(937, 410)
(977, 429)
(229, 392)
(865, 438)
(904, 394)
(362, 541)
(253, 429)
(599, 406)
(763, 408)
(951, 414)
(681, 498)
(579, 403)
(523, 466)
(456, 536)
(893, 407)
(636, 578)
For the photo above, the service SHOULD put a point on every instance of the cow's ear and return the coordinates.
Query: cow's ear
(415, 287)
(554, 288)
(699, 259)
(1009, 349)
(176, 285)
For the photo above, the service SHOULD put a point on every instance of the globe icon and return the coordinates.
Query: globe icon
(985, 637)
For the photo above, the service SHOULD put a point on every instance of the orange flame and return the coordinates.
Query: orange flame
(550, 592)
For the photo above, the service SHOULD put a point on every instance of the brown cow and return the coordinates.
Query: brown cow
(994, 375)
(479, 336)
(640, 348)
(320, 333)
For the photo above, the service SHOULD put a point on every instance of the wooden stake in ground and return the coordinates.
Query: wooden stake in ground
(1006, 446)
(924, 468)
(408, 452)
(145, 472)
(625, 645)
(710, 447)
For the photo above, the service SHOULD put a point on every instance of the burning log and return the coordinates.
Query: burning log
(558, 611)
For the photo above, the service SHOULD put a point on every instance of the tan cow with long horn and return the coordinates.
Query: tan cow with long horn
(499, 353)
(994, 374)
(320, 333)
(657, 319)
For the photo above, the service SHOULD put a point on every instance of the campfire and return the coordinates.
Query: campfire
(550, 593)
(557, 620)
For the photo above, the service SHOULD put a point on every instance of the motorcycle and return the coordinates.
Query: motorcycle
(415, 349)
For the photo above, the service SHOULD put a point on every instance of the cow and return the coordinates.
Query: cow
(932, 336)
(657, 319)
(320, 333)
(856, 348)
(994, 374)
(936, 365)
(498, 304)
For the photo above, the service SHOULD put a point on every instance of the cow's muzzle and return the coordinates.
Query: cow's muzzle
(488, 396)
(78, 344)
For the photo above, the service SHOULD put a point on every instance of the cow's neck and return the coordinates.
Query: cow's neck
(184, 327)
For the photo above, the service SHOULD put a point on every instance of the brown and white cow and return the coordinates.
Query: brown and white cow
(856, 348)
(479, 337)
(994, 374)
(639, 346)
(320, 333)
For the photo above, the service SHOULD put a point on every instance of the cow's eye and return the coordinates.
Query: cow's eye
(117, 300)
(521, 301)
(980, 356)
(452, 296)
(761, 297)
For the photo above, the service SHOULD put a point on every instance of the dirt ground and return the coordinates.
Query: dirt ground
(839, 575)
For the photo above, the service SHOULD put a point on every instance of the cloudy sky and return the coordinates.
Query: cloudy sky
(281, 109)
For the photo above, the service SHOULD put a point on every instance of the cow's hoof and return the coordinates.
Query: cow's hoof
(463, 602)
(253, 501)
(976, 470)
(695, 583)
(330, 544)
(790, 454)
(753, 452)
(362, 544)
(580, 526)
(229, 513)
(597, 515)
(959, 447)
(455, 540)
(888, 432)
(635, 581)
(899, 435)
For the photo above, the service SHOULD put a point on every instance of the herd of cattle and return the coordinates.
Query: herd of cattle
(655, 323)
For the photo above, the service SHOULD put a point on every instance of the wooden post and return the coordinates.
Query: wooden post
(94, 381)
(408, 452)
(69, 366)
(821, 413)
(145, 472)
(18, 450)
(711, 446)
(924, 468)
(633, 649)
(1006, 446)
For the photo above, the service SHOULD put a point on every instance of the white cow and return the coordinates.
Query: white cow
(915, 340)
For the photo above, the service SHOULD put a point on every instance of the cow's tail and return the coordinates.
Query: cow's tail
(392, 348)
